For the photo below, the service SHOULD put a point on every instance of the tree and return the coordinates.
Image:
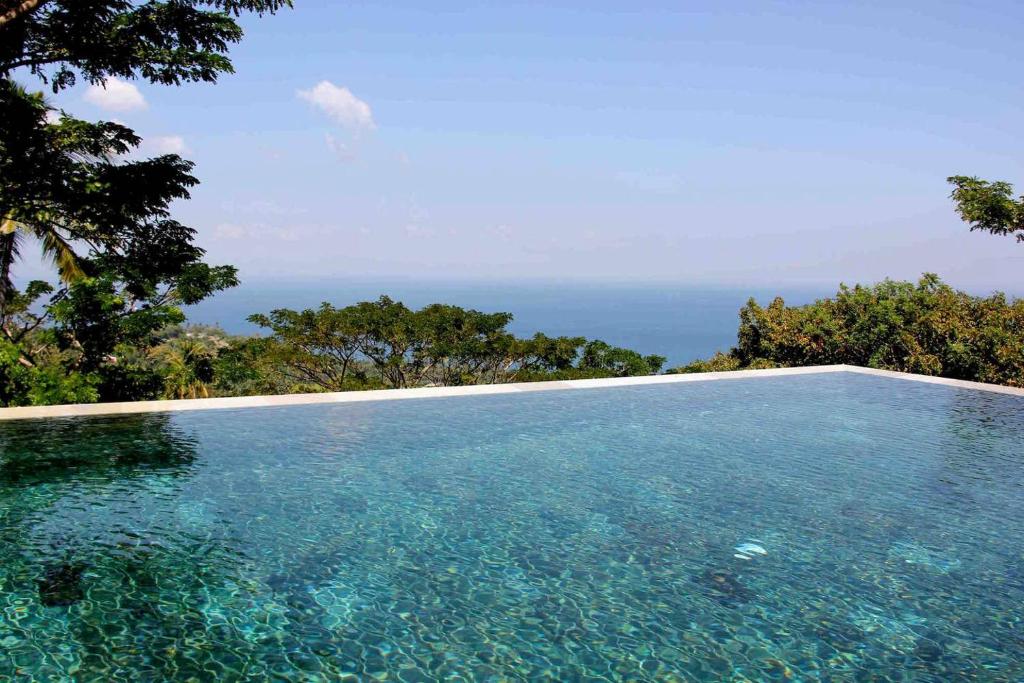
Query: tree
(988, 206)
(459, 344)
(163, 42)
(313, 347)
(925, 327)
(387, 336)
(598, 355)
(383, 343)
(60, 181)
(124, 265)
(41, 173)
(188, 369)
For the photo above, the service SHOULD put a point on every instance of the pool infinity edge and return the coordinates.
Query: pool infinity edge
(134, 407)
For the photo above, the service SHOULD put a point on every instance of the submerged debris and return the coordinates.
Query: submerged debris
(61, 585)
(726, 587)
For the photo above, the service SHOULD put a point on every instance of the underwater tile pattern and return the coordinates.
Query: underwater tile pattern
(834, 527)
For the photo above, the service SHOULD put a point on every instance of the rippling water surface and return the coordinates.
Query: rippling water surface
(829, 527)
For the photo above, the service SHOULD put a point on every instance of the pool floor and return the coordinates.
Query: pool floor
(827, 527)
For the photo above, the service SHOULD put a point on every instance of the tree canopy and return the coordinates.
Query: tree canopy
(162, 42)
(925, 327)
(78, 190)
(989, 206)
(383, 343)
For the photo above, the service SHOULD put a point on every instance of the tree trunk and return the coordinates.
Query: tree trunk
(8, 250)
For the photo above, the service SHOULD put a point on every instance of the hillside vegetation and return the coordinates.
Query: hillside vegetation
(928, 328)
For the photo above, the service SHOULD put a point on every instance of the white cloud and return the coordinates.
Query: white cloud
(339, 104)
(166, 144)
(229, 231)
(115, 95)
(414, 230)
(258, 231)
(260, 208)
(650, 182)
(502, 232)
(340, 148)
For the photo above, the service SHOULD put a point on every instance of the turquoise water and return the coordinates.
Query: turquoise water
(830, 527)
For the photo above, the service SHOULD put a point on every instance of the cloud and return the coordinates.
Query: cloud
(340, 105)
(650, 182)
(502, 232)
(115, 95)
(259, 231)
(414, 230)
(166, 144)
(261, 208)
(229, 231)
(341, 149)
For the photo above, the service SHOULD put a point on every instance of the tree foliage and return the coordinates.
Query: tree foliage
(927, 328)
(162, 42)
(989, 206)
(100, 214)
(385, 344)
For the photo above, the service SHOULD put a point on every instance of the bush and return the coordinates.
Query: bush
(927, 328)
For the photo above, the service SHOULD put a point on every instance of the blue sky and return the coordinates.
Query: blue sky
(722, 143)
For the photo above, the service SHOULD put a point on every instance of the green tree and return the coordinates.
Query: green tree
(388, 338)
(102, 217)
(600, 356)
(988, 206)
(538, 358)
(925, 327)
(250, 366)
(187, 369)
(720, 362)
(314, 347)
(383, 343)
(59, 41)
(459, 345)
(45, 182)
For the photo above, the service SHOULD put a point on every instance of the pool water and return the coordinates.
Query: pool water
(816, 527)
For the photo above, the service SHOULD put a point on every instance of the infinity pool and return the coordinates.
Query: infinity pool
(832, 527)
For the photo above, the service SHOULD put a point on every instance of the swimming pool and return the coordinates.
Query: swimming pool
(809, 527)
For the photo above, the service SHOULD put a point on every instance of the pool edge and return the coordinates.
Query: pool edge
(134, 407)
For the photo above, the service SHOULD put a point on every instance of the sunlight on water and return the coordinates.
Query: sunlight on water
(832, 527)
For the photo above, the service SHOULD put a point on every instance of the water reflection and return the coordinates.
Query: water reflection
(100, 572)
(95, 449)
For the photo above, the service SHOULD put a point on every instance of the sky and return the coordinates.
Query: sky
(724, 143)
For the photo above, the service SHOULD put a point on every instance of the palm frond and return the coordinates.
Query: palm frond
(60, 252)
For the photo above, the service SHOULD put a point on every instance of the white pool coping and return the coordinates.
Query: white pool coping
(133, 407)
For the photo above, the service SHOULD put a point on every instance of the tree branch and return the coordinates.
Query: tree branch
(19, 10)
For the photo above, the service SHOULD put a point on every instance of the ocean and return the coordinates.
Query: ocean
(681, 322)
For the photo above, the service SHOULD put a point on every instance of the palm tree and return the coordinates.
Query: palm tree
(56, 248)
(30, 147)
(188, 369)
